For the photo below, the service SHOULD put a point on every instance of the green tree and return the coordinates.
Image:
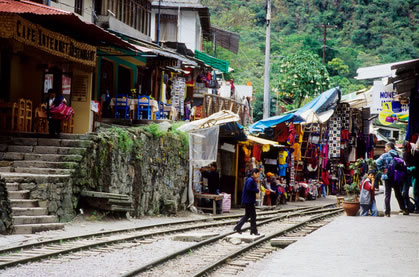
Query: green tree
(337, 67)
(300, 76)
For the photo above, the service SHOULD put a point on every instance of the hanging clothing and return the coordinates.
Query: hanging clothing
(299, 132)
(291, 134)
(282, 157)
(266, 148)
(281, 132)
(297, 151)
(282, 170)
(247, 153)
(257, 151)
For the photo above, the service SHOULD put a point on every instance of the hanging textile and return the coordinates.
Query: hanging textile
(178, 89)
(257, 151)
(291, 134)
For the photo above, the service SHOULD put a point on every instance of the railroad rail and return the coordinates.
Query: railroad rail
(52, 248)
(161, 262)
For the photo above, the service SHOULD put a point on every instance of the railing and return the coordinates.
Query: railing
(214, 103)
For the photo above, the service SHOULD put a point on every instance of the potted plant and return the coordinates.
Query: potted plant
(351, 203)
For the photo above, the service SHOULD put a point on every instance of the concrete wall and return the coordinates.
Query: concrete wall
(68, 5)
(120, 27)
(82, 113)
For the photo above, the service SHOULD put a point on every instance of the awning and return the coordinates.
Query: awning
(322, 104)
(310, 116)
(382, 70)
(222, 117)
(226, 39)
(358, 100)
(164, 52)
(264, 141)
(213, 62)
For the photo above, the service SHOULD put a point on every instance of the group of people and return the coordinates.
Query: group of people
(398, 174)
(273, 190)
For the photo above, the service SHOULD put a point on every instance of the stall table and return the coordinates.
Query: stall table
(213, 197)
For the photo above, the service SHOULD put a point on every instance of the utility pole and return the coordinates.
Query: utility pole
(325, 27)
(266, 92)
(158, 25)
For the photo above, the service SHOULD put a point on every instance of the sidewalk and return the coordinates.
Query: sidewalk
(352, 246)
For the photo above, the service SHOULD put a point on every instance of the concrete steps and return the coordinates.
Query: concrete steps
(35, 170)
(21, 156)
(12, 187)
(29, 160)
(33, 228)
(37, 211)
(43, 164)
(37, 219)
(19, 194)
(23, 203)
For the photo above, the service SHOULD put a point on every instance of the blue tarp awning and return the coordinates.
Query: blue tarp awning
(326, 101)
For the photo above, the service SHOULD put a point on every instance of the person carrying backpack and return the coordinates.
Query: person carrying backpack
(366, 197)
(392, 167)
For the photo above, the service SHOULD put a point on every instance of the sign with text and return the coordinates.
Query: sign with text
(383, 96)
(51, 42)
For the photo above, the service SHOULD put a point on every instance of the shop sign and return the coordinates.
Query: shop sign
(153, 62)
(48, 82)
(383, 96)
(66, 85)
(51, 42)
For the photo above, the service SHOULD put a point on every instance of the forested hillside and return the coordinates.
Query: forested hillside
(367, 32)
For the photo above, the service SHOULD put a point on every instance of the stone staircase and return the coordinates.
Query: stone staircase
(28, 161)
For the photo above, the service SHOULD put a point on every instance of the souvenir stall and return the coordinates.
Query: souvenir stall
(304, 134)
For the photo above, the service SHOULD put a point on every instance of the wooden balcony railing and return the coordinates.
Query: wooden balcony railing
(214, 103)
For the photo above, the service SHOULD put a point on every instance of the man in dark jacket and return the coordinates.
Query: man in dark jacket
(248, 200)
(213, 179)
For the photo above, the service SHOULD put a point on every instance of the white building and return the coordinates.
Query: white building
(185, 21)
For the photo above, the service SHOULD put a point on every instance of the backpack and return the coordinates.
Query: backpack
(364, 195)
(397, 170)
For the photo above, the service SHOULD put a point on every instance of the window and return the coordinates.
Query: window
(396, 135)
(168, 27)
(385, 133)
(78, 6)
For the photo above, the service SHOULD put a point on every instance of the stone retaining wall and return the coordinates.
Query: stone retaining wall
(5, 210)
(148, 164)
(56, 197)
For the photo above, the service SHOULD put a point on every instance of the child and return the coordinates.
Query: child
(366, 198)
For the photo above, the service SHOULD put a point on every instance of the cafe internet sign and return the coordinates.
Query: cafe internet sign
(53, 43)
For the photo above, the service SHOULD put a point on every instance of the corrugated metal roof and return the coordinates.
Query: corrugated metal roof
(226, 39)
(22, 6)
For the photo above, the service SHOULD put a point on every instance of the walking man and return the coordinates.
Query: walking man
(383, 164)
(248, 200)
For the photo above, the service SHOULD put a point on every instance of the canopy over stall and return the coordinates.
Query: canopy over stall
(317, 110)
(203, 143)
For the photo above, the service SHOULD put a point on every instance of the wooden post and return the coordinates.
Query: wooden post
(237, 175)
(204, 106)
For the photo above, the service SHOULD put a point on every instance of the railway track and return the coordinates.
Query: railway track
(116, 239)
(202, 258)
